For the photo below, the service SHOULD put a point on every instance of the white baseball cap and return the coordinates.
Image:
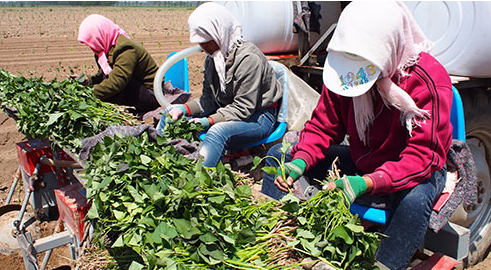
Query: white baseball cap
(348, 75)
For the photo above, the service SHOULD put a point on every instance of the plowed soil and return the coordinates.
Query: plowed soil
(42, 41)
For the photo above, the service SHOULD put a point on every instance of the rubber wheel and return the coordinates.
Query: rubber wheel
(477, 113)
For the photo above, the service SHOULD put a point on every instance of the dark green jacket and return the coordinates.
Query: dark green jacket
(128, 60)
(251, 86)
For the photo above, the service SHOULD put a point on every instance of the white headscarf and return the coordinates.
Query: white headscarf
(387, 35)
(211, 21)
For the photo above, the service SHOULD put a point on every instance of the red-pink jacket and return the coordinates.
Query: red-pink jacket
(394, 160)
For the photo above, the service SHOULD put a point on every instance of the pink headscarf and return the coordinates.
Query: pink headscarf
(100, 34)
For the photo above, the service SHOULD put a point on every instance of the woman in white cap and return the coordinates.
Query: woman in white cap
(241, 95)
(392, 100)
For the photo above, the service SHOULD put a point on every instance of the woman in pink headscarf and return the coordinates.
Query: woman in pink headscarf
(126, 69)
(391, 100)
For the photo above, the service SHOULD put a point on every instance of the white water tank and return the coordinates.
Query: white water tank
(460, 32)
(269, 24)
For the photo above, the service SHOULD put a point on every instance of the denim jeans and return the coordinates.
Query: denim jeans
(409, 213)
(236, 134)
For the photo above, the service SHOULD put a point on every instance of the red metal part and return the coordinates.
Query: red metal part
(29, 152)
(438, 261)
(73, 207)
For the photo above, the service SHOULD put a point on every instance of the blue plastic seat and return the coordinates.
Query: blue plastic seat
(178, 74)
(380, 216)
(282, 76)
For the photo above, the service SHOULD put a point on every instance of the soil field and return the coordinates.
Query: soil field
(42, 41)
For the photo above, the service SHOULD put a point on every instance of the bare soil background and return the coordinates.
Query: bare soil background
(42, 41)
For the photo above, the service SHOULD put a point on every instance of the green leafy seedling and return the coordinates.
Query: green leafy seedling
(281, 163)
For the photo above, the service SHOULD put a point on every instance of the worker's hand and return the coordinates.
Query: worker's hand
(203, 121)
(82, 79)
(352, 186)
(293, 170)
(177, 111)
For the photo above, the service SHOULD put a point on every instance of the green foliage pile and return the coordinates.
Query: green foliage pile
(182, 129)
(177, 214)
(170, 212)
(65, 112)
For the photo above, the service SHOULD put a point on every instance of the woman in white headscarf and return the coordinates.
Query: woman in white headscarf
(241, 95)
(392, 99)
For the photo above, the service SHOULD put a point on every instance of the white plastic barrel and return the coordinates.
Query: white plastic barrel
(269, 24)
(459, 30)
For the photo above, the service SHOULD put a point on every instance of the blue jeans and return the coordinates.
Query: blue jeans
(410, 209)
(236, 134)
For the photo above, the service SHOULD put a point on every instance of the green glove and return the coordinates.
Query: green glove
(294, 169)
(352, 186)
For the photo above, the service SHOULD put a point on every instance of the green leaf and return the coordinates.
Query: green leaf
(354, 228)
(217, 199)
(208, 238)
(302, 220)
(166, 231)
(118, 214)
(243, 191)
(285, 146)
(305, 234)
(93, 213)
(145, 159)
(246, 236)
(257, 160)
(135, 194)
(340, 232)
(210, 253)
(53, 118)
(119, 242)
(135, 266)
(270, 170)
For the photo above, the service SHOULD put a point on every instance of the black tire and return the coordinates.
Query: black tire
(477, 113)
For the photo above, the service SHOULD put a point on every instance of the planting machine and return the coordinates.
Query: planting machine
(53, 191)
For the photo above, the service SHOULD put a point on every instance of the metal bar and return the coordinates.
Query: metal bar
(452, 240)
(303, 43)
(14, 185)
(59, 163)
(318, 43)
(308, 69)
(46, 259)
(53, 241)
(19, 223)
(28, 252)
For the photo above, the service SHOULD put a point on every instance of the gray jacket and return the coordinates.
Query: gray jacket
(251, 86)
